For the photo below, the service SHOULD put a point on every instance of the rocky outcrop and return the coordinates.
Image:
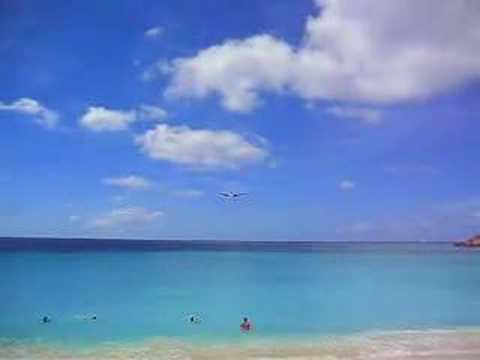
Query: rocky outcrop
(472, 242)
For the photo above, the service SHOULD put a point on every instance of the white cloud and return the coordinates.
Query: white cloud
(152, 112)
(99, 118)
(362, 51)
(347, 185)
(154, 32)
(200, 148)
(368, 115)
(161, 67)
(26, 106)
(125, 217)
(132, 182)
(235, 70)
(188, 193)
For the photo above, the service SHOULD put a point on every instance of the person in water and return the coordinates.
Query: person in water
(86, 317)
(194, 319)
(46, 319)
(246, 325)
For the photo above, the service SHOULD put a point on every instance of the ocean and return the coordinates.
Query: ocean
(306, 300)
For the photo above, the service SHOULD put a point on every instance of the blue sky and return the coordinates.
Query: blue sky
(343, 121)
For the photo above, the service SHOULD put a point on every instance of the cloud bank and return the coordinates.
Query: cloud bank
(361, 51)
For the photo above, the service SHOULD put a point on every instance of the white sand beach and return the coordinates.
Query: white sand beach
(463, 344)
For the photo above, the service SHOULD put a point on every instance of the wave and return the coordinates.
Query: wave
(438, 344)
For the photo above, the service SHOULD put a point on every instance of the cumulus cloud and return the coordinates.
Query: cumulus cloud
(200, 148)
(362, 51)
(99, 118)
(236, 70)
(347, 185)
(125, 217)
(27, 106)
(154, 32)
(365, 114)
(132, 182)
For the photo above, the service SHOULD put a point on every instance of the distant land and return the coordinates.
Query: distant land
(472, 242)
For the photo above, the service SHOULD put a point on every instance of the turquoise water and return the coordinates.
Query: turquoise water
(336, 289)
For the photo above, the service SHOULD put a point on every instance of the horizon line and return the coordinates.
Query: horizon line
(2, 238)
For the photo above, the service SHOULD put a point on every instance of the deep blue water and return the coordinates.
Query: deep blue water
(287, 289)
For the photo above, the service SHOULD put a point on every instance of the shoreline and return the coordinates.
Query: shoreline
(456, 343)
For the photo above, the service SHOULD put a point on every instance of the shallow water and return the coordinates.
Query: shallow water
(296, 295)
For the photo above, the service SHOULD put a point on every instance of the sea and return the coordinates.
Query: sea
(132, 299)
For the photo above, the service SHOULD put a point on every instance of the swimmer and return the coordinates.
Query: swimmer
(86, 317)
(46, 319)
(246, 325)
(194, 319)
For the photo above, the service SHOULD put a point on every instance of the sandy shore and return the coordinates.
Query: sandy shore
(432, 344)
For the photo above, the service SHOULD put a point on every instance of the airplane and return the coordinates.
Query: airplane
(232, 195)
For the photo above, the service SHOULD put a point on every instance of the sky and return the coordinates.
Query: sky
(344, 121)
